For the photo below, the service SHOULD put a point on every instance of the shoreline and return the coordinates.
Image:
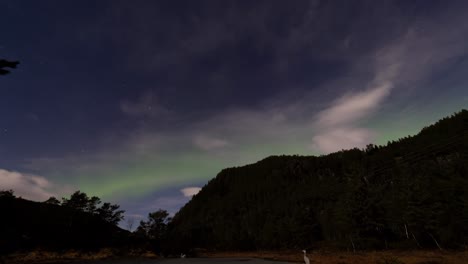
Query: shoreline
(291, 256)
(345, 257)
(73, 256)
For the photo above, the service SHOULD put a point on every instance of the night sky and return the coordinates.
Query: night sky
(142, 102)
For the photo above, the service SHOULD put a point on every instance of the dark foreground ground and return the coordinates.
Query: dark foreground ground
(192, 261)
(360, 257)
(164, 261)
(258, 257)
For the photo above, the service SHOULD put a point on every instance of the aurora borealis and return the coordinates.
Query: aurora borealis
(133, 101)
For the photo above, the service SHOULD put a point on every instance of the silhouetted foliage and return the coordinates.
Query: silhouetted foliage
(110, 213)
(92, 204)
(7, 193)
(411, 193)
(78, 201)
(156, 225)
(52, 200)
(81, 202)
(155, 229)
(7, 64)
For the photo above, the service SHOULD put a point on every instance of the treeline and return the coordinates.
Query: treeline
(81, 202)
(411, 193)
(78, 222)
(154, 231)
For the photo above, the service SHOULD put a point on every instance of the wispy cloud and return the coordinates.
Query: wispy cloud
(190, 191)
(398, 65)
(170, 203)
(209, 143)
(196, 148)
(353, 107)
(329, 116)
(337, 124)
(342, 138)
(147, 105)
(30, 187)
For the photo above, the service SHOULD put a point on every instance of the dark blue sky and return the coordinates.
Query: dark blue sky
(136, 100)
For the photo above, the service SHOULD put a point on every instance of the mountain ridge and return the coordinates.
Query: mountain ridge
(348, 199)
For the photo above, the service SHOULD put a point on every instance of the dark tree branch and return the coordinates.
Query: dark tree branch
(7, 64)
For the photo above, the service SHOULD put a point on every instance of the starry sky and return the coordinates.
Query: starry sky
(143, 102)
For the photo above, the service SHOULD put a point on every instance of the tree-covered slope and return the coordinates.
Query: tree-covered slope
(411, 193)
(27, 225)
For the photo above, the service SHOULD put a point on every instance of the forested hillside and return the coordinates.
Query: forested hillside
(411, 193)
(75, 223)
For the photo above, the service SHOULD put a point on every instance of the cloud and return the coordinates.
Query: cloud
(351, 108)
(147, 105)
(329, 116)
(170, 203)
(337, 123)
(208, 143)
(30, 187)
(398, 65)
(190, 191)
(138, 216)
(342, 138)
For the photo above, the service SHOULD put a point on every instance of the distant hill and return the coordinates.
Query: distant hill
(26, 225)
(411, 193)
